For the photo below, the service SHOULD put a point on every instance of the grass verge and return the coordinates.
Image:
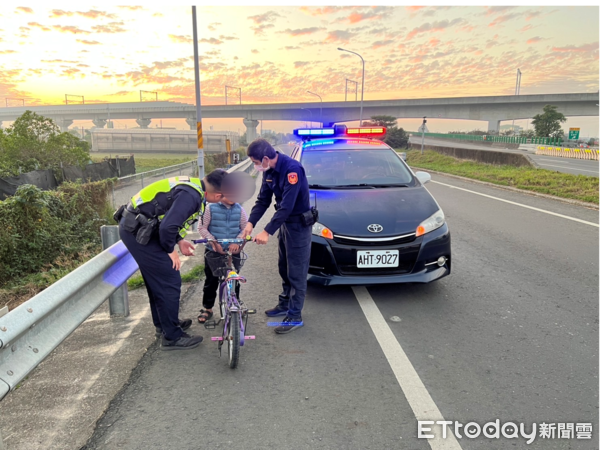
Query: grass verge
(194, 274)
(22, 289)
(577, 187)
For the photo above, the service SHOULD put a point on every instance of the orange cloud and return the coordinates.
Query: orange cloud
(533, 40)
(85, 42)
(339, 35)
(433, 27)
(501, 19)
(374, 13)
(434, 42)
(592, 47)
(131, 8)
(413, 8)
(93, 14)
(6, 52)
(211, 41)
(179, 38)
(37, 25)
(325, 10)
(302, 31)
(25, 9)
(70, 29)
(267, 17)
(111, 27)
(496, 9)
(379, 44)
(60, 13)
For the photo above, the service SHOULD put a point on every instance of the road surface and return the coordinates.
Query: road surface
(511, 334)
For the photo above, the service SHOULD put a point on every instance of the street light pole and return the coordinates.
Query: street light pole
(305, 109)
(362, 92)
(321, 116)
(198, 105)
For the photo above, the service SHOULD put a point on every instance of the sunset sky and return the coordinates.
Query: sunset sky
(276, 54)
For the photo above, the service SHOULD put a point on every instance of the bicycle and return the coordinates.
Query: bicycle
(234, 314)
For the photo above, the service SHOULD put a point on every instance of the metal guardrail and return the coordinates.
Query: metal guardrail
(494, 138)
(158, 172)
(30, 332)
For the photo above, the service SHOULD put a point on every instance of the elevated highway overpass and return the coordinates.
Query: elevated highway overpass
(492, 109)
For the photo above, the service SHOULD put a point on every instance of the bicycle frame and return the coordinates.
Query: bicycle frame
(228, 302)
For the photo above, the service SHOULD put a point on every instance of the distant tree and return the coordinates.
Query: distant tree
(244, 140)
(548, 123)
(35, 142)
(396, 137)
(527, 134)
(381, 121)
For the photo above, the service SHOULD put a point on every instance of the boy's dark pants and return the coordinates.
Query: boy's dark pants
(211, 283)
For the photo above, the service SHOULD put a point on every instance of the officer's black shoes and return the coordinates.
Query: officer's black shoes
(274, 312)
(185, 342)
(288, 325)
(184, 324)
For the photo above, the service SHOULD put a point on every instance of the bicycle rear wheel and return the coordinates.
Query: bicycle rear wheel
(233, 339)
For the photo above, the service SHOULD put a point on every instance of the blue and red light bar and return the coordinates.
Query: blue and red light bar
(340, 131)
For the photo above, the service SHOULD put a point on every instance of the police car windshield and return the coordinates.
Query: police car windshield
(358, 169)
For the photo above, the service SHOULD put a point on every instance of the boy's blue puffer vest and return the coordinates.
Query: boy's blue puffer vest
(225, 222)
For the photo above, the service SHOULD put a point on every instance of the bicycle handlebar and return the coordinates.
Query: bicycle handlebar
(222, 241)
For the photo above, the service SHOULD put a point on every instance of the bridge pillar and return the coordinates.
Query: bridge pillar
(494, 125)
(99, 123)
(143, 123)
(64, 124)
(191, 121)
(251, 125)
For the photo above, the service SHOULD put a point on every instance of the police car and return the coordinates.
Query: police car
(377, 222)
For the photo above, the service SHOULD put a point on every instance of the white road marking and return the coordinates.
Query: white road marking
(585, 162)
(520, 204)
(414, 390)
(568, 167)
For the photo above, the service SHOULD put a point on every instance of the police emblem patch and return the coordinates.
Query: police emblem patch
(293, 177)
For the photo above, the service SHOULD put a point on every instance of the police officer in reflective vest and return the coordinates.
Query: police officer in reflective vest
(284, 177)
(156, 219)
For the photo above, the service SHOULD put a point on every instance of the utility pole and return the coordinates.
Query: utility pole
(198, 105)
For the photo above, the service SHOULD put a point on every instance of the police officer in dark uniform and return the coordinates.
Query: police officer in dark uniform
(151, 224)
(284, 177)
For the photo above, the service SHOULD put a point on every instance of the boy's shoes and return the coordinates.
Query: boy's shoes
(184, 324)
(185, 342)
(288, 325)
(274, 312)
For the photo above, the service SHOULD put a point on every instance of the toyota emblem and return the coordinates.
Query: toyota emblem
(375, 228)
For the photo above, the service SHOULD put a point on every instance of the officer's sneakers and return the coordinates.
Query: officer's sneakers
(288, 325)
(184, 324)
(185, 342)
(274, 312)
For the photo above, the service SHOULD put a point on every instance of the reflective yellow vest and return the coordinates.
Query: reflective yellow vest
(159, 195)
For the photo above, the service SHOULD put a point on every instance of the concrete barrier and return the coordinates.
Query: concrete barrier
(565, 152)
(483, 156)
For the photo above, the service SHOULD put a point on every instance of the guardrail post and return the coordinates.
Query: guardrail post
(119, 301)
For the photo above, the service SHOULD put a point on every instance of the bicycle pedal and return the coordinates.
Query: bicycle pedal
(216, 338)
(249, 337)
(210, 324)
(251, 311)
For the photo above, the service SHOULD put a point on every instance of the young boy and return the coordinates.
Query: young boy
(223, 220)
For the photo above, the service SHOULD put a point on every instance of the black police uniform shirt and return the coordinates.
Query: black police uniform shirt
(289, 184)
(186, 202)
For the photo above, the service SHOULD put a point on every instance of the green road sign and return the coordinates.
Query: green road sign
(573, 134)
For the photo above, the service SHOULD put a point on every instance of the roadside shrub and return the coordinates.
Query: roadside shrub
(39, 227)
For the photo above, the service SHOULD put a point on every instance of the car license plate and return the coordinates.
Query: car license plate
(377, 258)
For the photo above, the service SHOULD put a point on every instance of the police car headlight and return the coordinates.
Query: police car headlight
(431, 223)
(319, 229)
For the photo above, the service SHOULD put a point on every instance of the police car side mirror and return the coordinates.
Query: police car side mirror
(423, 177)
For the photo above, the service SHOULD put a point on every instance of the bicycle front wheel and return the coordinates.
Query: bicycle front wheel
(233, 339)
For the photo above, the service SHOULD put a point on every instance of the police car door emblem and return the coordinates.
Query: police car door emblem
(293, 177)
(375, 228)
